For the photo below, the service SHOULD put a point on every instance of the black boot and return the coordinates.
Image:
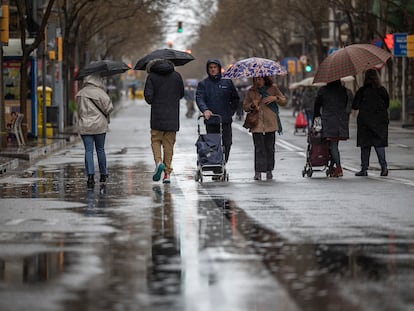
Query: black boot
(103, 177)
(362, 173)
(91, 181)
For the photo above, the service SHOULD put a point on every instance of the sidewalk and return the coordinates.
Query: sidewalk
(11, 157)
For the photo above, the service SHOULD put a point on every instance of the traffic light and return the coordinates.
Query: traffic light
(180, 27)
(4, 24)
(308, 66)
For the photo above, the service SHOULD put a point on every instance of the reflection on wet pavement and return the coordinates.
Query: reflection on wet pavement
(169, 250)
(334, 277)
(33, 269)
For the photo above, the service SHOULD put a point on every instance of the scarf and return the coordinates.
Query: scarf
(273, 106)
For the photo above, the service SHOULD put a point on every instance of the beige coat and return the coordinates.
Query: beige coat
(91, 120)
(267, 118)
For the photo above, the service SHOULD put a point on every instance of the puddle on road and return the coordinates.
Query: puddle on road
(168, 253)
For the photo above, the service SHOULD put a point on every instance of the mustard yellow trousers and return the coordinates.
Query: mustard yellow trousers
(163, 143)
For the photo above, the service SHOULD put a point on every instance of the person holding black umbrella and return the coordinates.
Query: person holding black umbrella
(94, 107)
(164, 87)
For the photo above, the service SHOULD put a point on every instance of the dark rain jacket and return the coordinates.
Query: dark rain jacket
(163, 90)
(217, 95)
(372, 121)
(331, 105)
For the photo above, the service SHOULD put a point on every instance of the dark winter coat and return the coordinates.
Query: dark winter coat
(372, 121)
(217, 95)
(163, 90)
(331, 105)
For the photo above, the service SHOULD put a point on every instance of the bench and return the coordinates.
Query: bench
(16, 129)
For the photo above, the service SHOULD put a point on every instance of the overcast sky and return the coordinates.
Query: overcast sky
(191, 16)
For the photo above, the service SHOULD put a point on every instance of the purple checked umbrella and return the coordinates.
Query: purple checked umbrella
(254, 67)
(350, 61)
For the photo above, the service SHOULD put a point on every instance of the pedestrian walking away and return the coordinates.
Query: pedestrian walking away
(215, 95)
(189, 96)
(94, 107)
(331, 105)
(265, 97)
(164, 87)
(308, 103)
(372, 102)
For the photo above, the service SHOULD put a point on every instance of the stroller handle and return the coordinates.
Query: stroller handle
(212, 115)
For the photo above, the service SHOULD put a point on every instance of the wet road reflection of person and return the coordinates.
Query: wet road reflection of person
(164, 276)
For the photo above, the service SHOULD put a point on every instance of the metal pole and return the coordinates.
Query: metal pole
(403, 108)
(44, 90)
(2, 108)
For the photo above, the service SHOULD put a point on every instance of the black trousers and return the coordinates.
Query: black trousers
(227, 136)
(264, 151)
(366, 153)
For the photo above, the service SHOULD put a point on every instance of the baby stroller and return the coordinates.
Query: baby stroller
(210, 155)
(317, 152)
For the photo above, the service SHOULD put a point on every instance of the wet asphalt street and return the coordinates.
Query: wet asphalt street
(293, 243)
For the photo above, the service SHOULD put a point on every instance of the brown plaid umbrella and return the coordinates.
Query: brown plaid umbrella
(350, 61)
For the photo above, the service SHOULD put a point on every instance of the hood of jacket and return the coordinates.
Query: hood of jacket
(95, 80)
(160, 66)
(214, 61)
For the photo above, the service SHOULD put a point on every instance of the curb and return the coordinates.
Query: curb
(11, 158)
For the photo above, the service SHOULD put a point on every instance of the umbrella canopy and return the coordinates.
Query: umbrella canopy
(179, 58)
(254, 67)
(349, 61)
(309, 82)
(103, 68)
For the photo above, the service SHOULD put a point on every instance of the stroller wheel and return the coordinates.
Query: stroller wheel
(198, 177)
(304, 172)
(309, 172)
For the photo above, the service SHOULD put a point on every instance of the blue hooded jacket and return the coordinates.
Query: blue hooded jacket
(217, 95)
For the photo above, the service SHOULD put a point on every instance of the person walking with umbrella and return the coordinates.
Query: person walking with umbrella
(215, 95)
(331, 105)
(164, 87)
(94, 107)
(372, 101)
(265, 97)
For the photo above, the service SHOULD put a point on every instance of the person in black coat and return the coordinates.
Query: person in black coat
(331, 105)
(164, 87)
(372, 101)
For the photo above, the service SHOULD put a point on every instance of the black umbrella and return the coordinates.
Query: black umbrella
(103, 68)
(179, 58)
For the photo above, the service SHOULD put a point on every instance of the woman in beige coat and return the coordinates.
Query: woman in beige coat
(94, 107)
(264, 96)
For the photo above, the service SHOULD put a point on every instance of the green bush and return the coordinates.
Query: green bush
(395, 104)
(72, 106)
